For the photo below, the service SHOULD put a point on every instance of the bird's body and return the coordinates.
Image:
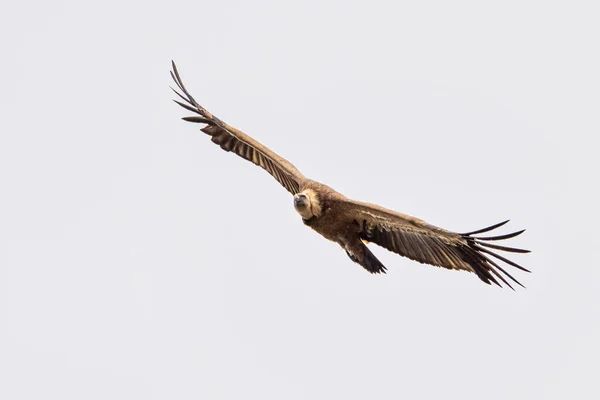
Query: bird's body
(337, 223)
(351, 223)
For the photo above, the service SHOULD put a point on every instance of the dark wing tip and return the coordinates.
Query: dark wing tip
(175, 71)
(199, 120)
(480, 250)
(503, 248)
(186, 106)
(500, 237)
(489, 228)
(192, 104)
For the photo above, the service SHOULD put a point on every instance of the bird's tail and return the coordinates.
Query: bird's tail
(368, 261)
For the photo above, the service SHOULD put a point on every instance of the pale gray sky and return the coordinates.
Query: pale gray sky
(139, 261)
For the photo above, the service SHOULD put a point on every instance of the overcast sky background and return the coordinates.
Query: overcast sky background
(140, 261)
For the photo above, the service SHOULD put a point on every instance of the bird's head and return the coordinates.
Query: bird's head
(307, 204)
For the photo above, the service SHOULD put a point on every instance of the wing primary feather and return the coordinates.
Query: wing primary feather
(501, 278)
(199, 120)
(189, 108)
(175, 79)
(500, 237)
(180, 95)
(179, 82)
(495, 264)
(504, 248)
(487, 266)
(481, 269)
(489, 228)
(499, 257)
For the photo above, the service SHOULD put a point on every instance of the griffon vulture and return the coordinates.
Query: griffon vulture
(352, 224)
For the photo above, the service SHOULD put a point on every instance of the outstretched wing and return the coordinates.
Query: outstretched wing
(413, 238)
(232, 139)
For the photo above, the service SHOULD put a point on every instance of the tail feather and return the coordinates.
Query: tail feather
(368, 261)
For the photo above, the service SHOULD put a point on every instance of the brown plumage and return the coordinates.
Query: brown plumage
(351, 223)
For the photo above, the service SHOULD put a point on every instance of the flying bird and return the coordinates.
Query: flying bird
(352, 224)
